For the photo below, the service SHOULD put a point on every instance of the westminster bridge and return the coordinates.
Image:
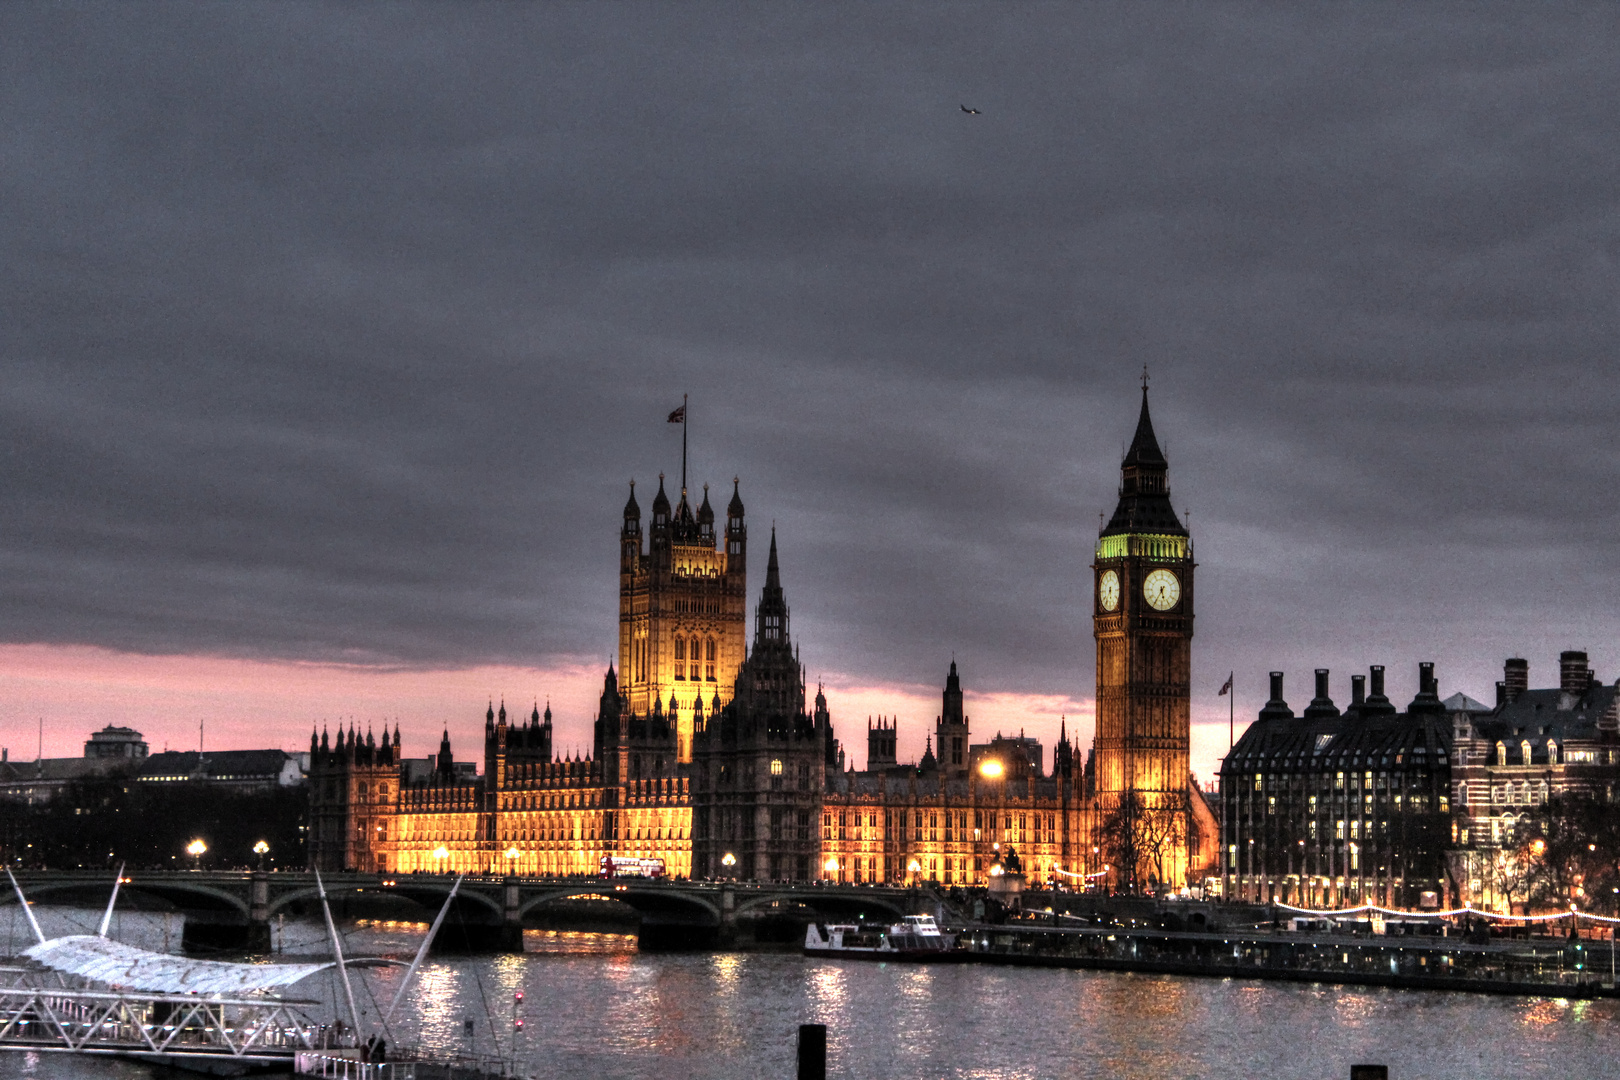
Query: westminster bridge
(235, 909)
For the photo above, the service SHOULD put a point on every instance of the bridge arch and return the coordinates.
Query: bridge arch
(434, 892)
(172, 891)
(664, 898)
(828, 899)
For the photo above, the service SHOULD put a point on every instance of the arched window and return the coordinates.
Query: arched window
(680, 657)
(1524, 749)
(708, 660)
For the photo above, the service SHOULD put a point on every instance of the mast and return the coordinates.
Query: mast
(39, 935)
(421, 953)
(106, 919)
(685, 423)
(337, 951)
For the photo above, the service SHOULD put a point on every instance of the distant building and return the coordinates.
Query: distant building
(123, 751)
(236, 770)
(35, 782)
(1511, 760)
(121, 743)
(1332, 809)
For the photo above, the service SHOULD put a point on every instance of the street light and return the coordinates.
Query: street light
(512, 854)
(196, 849)
(728, 860)
(261, 849)
(440, 854)
(990, 769)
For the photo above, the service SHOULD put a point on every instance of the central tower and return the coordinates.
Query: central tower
(1143, 621)
(682, 609)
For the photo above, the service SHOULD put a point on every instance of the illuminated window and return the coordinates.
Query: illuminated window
(708, 660)
(776, 766)
(680, 658)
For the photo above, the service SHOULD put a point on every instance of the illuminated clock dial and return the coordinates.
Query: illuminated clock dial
(1108, 591)
(1161, 590)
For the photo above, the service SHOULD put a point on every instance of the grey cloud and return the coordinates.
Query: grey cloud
(336, 332)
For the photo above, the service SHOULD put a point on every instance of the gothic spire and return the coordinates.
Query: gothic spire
(1144, 489)
(1144, 446)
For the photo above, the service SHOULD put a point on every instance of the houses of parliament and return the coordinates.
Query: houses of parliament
(710, 753)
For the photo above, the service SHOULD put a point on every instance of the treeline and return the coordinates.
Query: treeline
(97, 822)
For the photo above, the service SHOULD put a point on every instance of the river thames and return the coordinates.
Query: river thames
(593, 1006)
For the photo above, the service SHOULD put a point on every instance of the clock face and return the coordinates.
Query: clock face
(1108, 591)
(1161, 590)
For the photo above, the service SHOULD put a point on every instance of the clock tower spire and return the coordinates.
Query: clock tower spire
(1142, 619)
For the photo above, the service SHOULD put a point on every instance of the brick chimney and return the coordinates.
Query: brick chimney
(1515, 678)
(1573, 672)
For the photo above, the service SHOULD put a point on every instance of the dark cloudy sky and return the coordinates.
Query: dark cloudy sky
(331, 335)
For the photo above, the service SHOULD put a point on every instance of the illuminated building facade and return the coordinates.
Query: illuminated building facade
(682, 607)
(1143, 624)
(761, 762)
(707, 755)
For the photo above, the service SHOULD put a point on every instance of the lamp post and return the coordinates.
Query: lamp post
(261, 849)
(440, 854)
(196, 849)
(914, 868)
(831, 867)
(512, 856)
(728, 861)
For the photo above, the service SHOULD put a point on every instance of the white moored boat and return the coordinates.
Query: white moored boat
(916, 937)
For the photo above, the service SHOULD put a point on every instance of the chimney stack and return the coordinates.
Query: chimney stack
(1501, 694)
(1276, 708)
(1358, 690)
(1515, 678)
(1572, 671)
(1322, 705)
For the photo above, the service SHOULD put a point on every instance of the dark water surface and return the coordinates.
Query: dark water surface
(594, 1007)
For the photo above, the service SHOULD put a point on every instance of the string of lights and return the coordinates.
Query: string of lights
(1573, 913)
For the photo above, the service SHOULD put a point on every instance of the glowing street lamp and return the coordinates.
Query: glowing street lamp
(261, 849)
(990, 769)
(728, 860)
(196, 849)
(512, 855)
(440, 854)
(831, 866)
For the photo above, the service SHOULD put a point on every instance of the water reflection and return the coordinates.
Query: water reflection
(595, 1007)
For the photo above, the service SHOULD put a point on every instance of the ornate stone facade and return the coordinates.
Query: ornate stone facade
(706, 754)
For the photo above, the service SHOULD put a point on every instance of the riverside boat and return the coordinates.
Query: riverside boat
(914, 938)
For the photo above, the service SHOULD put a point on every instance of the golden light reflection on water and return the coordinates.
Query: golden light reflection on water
(727, 972)
(1545, 1013)
(577, 943)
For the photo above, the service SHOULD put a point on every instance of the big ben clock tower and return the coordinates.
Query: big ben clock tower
(1143, 622)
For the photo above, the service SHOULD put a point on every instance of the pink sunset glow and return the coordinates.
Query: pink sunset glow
(256, 703)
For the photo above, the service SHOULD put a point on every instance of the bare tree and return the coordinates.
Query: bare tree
(1142, 833)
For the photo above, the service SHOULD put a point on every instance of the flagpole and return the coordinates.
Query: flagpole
(1231, 712)
(684, 424)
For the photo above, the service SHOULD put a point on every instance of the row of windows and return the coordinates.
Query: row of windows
(702, 653)
(1357, 781)
(849, 823)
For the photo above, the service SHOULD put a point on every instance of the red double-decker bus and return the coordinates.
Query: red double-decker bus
(619, 866)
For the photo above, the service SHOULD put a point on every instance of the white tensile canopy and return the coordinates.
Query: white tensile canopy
(93, 957)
